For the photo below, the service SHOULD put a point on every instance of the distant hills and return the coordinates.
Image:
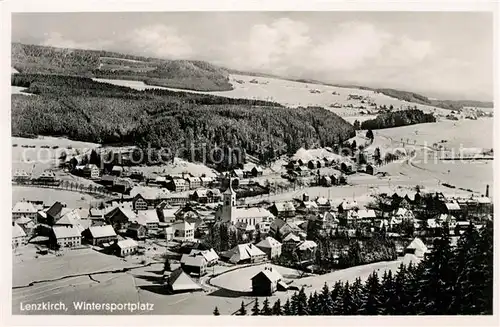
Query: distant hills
(183, 74)
(393, 93)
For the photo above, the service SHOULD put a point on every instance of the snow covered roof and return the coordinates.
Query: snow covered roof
(291, 237)
(147, 216)
(65, 232)
(25, 207)
(149, 193)
(23, 220)
(284, 206)
(102, 231)
(307, 245)
(322, 201)
(127, 243)
(17, 231)
(201, 193)
(452, 206)
(366, 213)
(268, 242)
(310, 205)
(271, 274)
(349, 205)
(209, 255)
(243, 252)
(70, 218)
(180, 281)
(254, 212)
(193, 260)
(418, 245)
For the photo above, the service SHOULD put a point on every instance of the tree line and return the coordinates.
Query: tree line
(448, 281)
(398, 118)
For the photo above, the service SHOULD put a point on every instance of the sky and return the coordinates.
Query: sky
(440, 54)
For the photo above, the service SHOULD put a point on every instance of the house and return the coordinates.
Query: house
(47, 177)
(244, 253)
(206, 181)
(209, 255)
(366, 216)
(123, 248)
(148, 218)
(214, 195)
(183, 231)
(26, 224)
(312, 164)
(169, 233)
(237, 173)
(302, 171)
(417, 247)
(193, 182)
(91, 171)
(452, 208)
(54, 213)
(325, 181)
(67, 236)
(179, 185)
(200, 195)
(137, 231)
(120, 217)
(21, 176)
(347, 167)
(98, 235)
(139, 203)
(307, 207)
(257, 171)
(290, 242)
(284, 227)
(166, 213)
(282, 209)
(108, 180)
(370, 169)
(266, 282)
(24, 209)
(178, 281)
(402, 214)
(270, 246)
(18, 236)
(302, 162)
(145, 197)
(448, 219)
(194, 264)
(307, 250)
(117, 171)
(323, 204)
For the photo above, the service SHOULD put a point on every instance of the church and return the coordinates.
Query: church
(228, 212)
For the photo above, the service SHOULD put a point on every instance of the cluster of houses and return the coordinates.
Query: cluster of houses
(304, 168)
(47, 177)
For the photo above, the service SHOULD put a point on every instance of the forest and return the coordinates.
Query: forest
(398, 118)
(82, 109)
(449, 281)
(184, 74)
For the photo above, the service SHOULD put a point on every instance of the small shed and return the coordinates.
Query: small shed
(266, 282)
(417, 247)
(178, 281)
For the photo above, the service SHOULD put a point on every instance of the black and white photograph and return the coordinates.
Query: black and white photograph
(252, 163)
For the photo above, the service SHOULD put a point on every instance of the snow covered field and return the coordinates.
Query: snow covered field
(291, 93)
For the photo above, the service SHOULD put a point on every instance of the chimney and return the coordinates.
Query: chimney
(487, 191)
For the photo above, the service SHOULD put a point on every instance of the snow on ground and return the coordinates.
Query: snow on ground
(71, 262)
(19, 90)
(240, 280)
(316, 154)
(49, 196)
(178, 167)
(293, 94)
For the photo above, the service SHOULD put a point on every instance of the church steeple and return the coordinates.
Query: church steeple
(229, 202)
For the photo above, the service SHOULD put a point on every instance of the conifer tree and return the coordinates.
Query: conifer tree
(336, 296)
(301, 303)
(435, 292)
(371, 303)
(276, 310)
(388, 296)
(266, 309)
(287, 308)
(255, 308)
(243, 310)
(325, 301)
(216, 312)
(485, 257)
(357, 294)
(347, 301)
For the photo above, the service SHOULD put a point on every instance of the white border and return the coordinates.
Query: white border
(9, 6)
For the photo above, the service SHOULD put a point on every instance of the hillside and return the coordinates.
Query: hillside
(85, 110)
(183, 74)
